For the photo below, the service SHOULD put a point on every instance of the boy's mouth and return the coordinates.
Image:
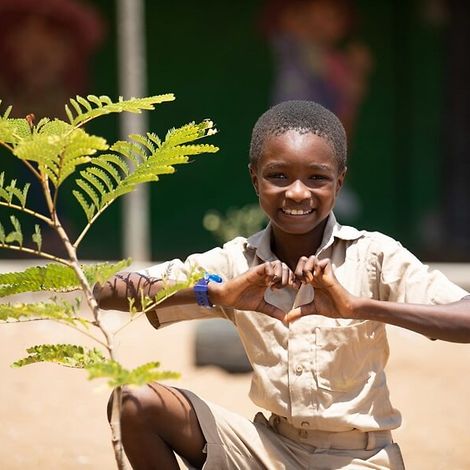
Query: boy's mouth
(297, 211)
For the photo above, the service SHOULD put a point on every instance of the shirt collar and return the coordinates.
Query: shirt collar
(261, 241)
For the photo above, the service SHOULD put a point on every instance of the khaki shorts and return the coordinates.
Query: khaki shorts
(236, 443)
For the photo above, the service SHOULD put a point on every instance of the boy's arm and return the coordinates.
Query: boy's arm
(115, 293)
(245, 292)
(448, 322)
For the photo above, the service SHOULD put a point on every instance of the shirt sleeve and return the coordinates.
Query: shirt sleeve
(404, 278)
(214, 261)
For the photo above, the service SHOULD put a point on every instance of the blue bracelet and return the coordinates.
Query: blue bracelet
(200, 289)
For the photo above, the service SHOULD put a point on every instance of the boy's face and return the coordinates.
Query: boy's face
(297, 181)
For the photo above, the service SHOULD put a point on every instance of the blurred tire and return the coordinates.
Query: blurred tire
(217, 343)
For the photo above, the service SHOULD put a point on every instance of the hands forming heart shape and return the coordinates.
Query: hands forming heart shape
(246, 292)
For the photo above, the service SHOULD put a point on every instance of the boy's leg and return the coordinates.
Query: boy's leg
(155, 421)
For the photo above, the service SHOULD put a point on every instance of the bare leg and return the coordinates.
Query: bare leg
(155, 421)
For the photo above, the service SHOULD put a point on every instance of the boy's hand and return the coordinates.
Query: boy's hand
(331, 298)
(246, 292)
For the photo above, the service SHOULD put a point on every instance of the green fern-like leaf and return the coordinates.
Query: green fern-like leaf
(110, 163)
(78, 152)
(63, 311)
(94, 182)
(69, 355)
(7, 111)
(89, 209)
(58, 148)
(118, 376)
(101, 272)
(11, 190)
(83, 110)
(103, 177)
(149, 372)
(44, 149)
(148, 146)
(52, 277)
(131, 150)
(139, 161)
(4, 194)
(16, 235)
(20, 194)
(168, 289)
(108, 171)
(41, 123)
(90, 192)
(13, 131)
(55, 277)
(37, 237)
(52, 128)
(189, 133)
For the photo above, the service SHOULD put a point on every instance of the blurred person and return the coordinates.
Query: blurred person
(45, 48)
(316, 58)
(310, 299)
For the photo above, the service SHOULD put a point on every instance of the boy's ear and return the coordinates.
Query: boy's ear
(254, 177)
(340, 180)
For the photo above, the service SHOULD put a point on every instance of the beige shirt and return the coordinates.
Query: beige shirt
(320, 373)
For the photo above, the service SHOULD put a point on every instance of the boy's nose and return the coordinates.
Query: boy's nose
(298, 192)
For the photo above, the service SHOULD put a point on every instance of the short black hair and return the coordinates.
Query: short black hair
(302, 116)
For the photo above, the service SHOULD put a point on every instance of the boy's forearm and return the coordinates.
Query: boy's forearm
(115, 293)
(450, 322)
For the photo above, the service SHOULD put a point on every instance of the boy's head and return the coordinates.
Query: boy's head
(303, 117)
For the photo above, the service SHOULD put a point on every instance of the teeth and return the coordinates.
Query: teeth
(296, 212)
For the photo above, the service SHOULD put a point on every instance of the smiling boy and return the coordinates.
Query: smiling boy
(310, 299)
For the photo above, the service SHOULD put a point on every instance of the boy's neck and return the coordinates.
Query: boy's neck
(290, 247)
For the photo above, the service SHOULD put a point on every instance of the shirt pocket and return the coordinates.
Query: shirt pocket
(346, 356)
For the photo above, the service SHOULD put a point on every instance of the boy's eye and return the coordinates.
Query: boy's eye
(277, 176)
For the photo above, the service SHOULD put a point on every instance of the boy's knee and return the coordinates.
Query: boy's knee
(136, 402)
(109, 408)
(127, 395)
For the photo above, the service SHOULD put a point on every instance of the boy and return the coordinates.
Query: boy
(310, 299)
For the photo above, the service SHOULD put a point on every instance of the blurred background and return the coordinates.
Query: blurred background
(396, 73)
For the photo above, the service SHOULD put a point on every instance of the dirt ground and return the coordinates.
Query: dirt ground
(53, 418)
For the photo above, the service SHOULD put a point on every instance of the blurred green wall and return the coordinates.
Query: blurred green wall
(212, 57)
(396, 154)
(218, 65)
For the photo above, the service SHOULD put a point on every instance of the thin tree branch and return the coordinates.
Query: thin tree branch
(115, 423)
(42, 254)
(61, 322)
(90, 223)
(84, 332)
(9, 147)
(39, 216)
(47, 195)
(128, 322)
(31, 168)
(25, 162)
(149, 307)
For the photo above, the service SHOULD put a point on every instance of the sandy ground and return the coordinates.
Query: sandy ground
(53, 418)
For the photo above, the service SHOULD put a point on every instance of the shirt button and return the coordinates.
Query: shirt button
(305, 424)
(299, 370)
